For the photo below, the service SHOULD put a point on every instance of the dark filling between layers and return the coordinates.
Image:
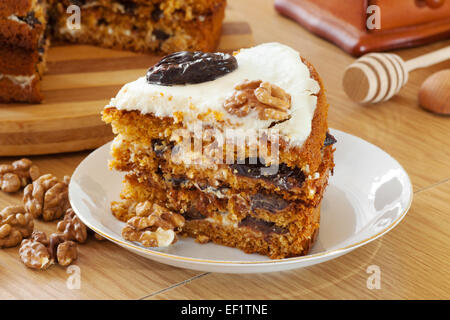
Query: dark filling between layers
(285, 177)
(261, 226)
(193, 214)
(30, 19)
(258, 225)
(270, 203)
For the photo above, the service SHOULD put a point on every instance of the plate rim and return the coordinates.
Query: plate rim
(339, 251)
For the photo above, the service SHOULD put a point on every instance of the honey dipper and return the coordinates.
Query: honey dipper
(377, 77)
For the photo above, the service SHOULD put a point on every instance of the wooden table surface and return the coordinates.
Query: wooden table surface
(414, 258)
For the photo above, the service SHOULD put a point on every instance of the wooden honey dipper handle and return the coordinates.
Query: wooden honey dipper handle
(377, 77)
(428, 59)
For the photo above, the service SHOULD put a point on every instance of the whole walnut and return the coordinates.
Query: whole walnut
(15, 224)
(47, 197)
(17, 175)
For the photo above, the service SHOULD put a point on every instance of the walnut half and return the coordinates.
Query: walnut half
(17, 175)
(268, 100)
(15, 224)
(154, 226)
(72, 227)
(47, 197)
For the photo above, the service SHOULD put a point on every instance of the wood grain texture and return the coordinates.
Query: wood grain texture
(413, 263)
(403, 24)
(128, 277)
(79, 83)
(413, 257)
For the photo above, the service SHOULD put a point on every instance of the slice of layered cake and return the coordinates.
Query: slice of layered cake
(143, 25)
(232, 149)
(23, 47)
(157, 26)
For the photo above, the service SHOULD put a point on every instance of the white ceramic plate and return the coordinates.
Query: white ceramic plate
(367, 196)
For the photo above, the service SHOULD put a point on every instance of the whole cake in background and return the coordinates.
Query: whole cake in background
(159, 26)
(232, 149)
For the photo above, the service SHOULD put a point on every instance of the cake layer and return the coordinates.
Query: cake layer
(18, 61)
(15, 88)
(158, 7)
(290, 233)
(298, 111)
(201, 203)
(17, 7)
(24, 30)
(142, 27)
(256, 236)
(139, 121)
(290, 183)
(21, 72)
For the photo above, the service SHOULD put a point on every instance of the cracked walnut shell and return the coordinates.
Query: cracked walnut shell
(47, 197)
(72, 227)
(17, 175)
(153, 226)
(15, 224)
(268, 100)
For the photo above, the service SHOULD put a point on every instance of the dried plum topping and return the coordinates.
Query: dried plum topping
(285, 177)
(160, 34)
(157, 14)
(178, 181)
(269, 202)
(30, 19)
(187, 67)
(193, 214)
(329, 140)
(160, 147)
(102, 22)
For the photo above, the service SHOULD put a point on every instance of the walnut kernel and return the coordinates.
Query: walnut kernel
(34, 254)
(66, 253)
(17, 175)
(153, 226)
(72, 227)
(40, 252)
(15, 225)
(47, 197)
(268, 100)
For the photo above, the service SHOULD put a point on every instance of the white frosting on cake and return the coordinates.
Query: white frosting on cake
(272, 62)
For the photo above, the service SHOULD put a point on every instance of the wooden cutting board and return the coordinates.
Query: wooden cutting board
(80, 81)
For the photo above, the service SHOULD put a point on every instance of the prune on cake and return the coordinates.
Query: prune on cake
(157, 14)
(161, 34)
(187, 67)
(30, 19)
(329, 140)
